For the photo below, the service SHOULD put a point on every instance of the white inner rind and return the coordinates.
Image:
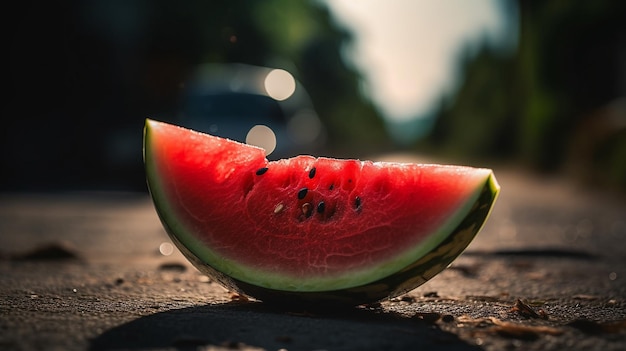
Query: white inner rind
(272, 280)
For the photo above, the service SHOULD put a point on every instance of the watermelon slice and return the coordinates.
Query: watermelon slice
(309, 229)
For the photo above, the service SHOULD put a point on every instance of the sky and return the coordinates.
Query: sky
(408, 49)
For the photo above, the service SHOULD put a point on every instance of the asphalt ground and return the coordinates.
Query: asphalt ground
(93, 271)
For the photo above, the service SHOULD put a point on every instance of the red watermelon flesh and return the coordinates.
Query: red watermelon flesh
(304, 223)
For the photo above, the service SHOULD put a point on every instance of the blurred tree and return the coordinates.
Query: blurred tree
(482, 118)
(532, 106)
(84, 73)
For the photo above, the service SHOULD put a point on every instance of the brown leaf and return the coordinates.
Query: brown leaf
(525, 310)
(509, 329)
(526, 332)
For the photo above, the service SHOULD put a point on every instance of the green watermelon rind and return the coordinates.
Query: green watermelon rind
(394, 285)
(252, 282)
(403, 281)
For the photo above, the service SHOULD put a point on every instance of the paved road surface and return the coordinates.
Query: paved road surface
(83, 271)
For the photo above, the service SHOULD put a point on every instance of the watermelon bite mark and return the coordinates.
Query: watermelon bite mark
(308, 226)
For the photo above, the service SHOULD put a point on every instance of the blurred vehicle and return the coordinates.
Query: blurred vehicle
(256, 105)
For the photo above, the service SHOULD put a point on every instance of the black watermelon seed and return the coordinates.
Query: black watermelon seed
(357, 203)
(320, 207)
(312, 173)
(331, 187)
(261, 171)
(302, 193)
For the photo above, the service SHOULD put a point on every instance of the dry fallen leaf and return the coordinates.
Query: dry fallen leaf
(509, 329)
(520, 331)
(526, 311)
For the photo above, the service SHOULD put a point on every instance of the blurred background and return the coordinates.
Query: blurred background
(538, 84)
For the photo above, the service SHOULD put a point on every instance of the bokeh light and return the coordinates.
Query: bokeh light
(263, 137)
(279, 84)
(166, 249)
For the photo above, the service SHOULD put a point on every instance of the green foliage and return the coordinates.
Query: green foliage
(481, 119)
(570, 64)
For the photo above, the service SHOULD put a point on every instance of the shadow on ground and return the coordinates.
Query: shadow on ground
(256, 326)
